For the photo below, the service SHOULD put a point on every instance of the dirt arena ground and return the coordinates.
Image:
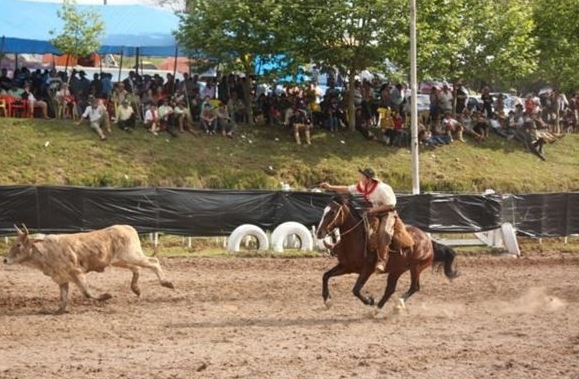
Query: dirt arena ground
(264, 318)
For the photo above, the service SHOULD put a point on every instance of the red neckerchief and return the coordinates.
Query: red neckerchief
(367, 190)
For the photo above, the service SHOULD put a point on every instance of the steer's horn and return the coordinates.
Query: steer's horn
(18, 230)
(25, 229)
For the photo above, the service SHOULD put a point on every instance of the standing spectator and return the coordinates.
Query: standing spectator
(487, 102)
(461, 96)
(434, 111)
(445, 100)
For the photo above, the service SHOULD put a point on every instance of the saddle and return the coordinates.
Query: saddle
(401, 239)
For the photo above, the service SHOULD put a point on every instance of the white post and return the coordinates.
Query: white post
(413, 100)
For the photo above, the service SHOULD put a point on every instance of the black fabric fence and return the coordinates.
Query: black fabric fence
(53, 209)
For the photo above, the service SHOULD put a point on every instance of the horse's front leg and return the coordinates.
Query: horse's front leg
(334, 271)
(360, 282)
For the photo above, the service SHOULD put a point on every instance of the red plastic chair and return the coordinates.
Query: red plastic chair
(19, 108)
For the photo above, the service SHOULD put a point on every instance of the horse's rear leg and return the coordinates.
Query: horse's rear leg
(390, 288)
(415, 271)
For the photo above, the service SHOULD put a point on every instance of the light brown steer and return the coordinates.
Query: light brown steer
(67, 257)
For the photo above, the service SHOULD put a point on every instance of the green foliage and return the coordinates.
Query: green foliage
(82, 31)
(557, 32)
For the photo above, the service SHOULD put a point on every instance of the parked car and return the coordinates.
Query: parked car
(509, 101)
(422, 106)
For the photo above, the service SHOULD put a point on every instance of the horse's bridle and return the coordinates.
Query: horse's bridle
(341, 213)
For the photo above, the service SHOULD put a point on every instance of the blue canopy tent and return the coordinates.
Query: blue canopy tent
(130, 30)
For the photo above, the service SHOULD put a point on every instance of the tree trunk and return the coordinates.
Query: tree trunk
(247, 97)
(351, 106)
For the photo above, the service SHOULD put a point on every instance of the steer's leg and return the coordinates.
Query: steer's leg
(80, 281)
(135, 280)
(63, 298)
(150, 263)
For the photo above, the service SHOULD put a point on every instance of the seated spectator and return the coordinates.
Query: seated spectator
(224, 121)
(117, 96)
(167, 121)
(299, 123)
(183, 116)
(497, 128)
(236, 108)
(480, 124)
(152, 122)
(468, 124)
(126, 116)
(427, 138)
(97, 116)
(397, 136)
(34, 103)
(208, 119)
(362, 126)
(65, 102)
(452, 126)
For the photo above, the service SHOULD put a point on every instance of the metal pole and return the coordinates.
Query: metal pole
(413, 102)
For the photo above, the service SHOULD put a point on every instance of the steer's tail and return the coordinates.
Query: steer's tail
(444, 255)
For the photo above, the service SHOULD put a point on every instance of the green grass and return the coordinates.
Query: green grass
(57, 152)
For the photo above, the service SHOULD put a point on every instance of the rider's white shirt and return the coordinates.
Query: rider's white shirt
(382, 194)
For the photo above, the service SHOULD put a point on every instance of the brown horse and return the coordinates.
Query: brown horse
(354, 257)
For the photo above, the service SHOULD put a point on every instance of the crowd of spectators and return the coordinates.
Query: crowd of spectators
(219, 105)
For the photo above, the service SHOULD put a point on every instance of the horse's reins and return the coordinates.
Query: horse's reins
(341, 212)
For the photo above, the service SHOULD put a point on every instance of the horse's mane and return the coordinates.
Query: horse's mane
(351, 202)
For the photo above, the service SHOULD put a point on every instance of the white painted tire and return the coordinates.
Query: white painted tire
(287, 229)
(243, 231)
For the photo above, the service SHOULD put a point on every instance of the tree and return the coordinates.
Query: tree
(557, 33)
(232, 34)
(82, 31)
(480, 41)
(348, 35)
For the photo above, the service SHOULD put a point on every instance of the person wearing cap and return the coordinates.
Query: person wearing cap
(97, 116)
(126, 116)
(382, 199)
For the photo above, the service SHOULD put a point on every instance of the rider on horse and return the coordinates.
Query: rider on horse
(382, 199)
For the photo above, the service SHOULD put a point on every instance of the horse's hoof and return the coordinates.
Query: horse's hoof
(105, 297)
(400, 306)
(328, 304)
(168, 284)
(378, 314)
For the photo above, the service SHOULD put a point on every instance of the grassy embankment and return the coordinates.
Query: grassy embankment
(56, 152)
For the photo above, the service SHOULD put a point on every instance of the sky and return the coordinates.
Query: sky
(112, 2)
(173, 4)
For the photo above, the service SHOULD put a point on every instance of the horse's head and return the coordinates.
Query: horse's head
(334, 216)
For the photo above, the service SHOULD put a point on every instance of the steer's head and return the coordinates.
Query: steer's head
(21, 248)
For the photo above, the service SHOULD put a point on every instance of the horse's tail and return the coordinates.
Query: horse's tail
(444, 255)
